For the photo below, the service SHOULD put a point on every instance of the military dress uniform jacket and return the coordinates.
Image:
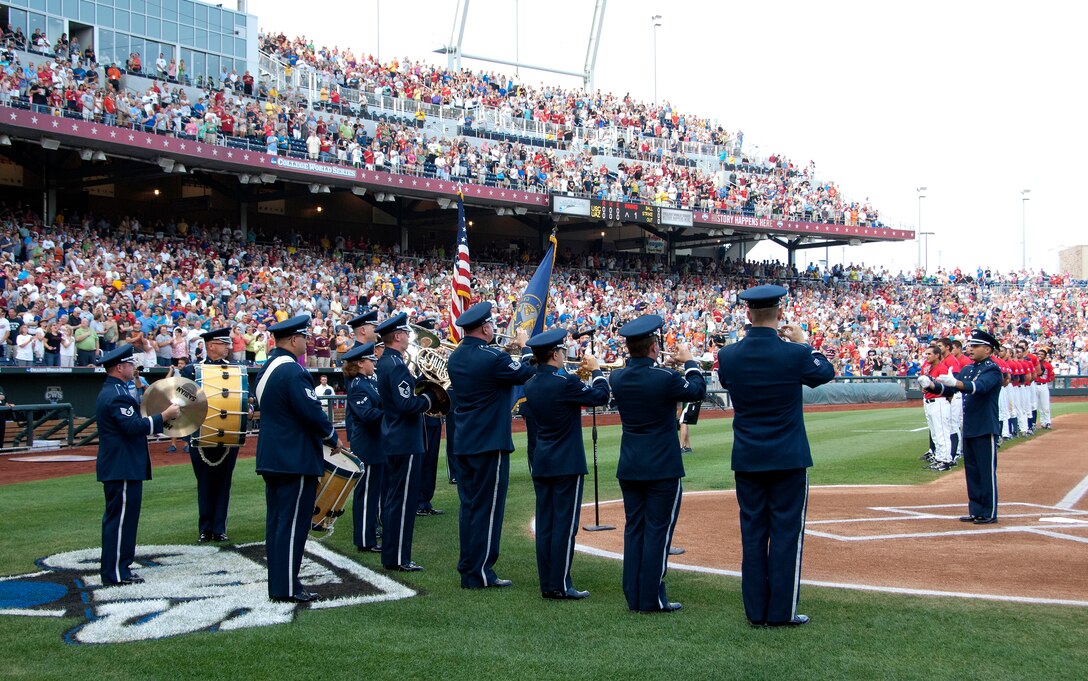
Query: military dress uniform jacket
(484, 377)
(402, 409)
(364, 420)
(122, 434)
(293, 422)
(647, 395)
(981, 388)
(764, 374)
(558, 398)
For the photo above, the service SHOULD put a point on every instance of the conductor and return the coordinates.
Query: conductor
(764, 373)
(289, 457)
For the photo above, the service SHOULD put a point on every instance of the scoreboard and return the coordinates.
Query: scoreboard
(631, 212)
(625, 211)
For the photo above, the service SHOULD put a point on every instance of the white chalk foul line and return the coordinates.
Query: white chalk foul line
(1075, 495)
(901, 591)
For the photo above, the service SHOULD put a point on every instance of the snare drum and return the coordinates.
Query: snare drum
(342, 473)
(227, 388)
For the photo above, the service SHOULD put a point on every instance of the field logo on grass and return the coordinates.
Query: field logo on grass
(186, 589)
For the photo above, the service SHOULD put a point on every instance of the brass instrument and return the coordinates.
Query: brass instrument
(584, 374)
(428, 359)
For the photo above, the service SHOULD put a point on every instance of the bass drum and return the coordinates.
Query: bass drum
(226, 387)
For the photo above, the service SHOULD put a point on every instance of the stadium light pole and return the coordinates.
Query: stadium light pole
(656, 19)
(926, 235)
(921, 195)
(1024, 198)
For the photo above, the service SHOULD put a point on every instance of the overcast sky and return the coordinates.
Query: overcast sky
(973, 100)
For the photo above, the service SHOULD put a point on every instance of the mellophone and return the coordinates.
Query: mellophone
(342, 472)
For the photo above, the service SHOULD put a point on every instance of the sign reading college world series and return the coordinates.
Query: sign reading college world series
(312, 167)
(187, 589)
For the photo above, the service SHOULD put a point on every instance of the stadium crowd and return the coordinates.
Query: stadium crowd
(233, 112)
(88, 282)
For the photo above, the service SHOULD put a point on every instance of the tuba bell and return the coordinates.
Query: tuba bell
(428, 357)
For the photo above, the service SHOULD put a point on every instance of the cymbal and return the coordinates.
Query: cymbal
(182, 392)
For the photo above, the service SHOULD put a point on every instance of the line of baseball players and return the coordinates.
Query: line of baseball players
(1023, 405)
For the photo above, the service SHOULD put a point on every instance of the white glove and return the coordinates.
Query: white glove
(925, 382)
(947, 379)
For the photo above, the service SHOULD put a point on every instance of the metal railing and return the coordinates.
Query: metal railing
(36, 415)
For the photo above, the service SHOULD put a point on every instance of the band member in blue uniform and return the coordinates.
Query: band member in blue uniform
(432, 441)
(764, 373)
(123, 463)
(650, 466)
(402, 437)
(289, 456)
(483, 379)
(363, 421)
(213, 466)
(363, 327)
(556, 399)
(980, 384)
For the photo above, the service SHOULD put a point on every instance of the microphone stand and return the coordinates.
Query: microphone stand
(597, 526)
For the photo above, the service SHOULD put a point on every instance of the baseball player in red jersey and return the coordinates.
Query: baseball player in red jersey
(936, 409)
(1032, 393)
(1042, 388)
(955, 404)
(1004, 400)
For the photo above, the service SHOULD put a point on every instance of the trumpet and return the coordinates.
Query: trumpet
(584, 373)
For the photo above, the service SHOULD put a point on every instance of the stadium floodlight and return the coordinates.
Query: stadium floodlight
(180, 169)
(315, 188)
(325, 189)
(727, 232)
(5, 141)
(268, 178)
(86, 154)
(520, 210)
(855, 242)
(167, 164)
(243, 179)
(1024, 198)
(358, 191)
(99, 156)
(50, 143)
(444, 203)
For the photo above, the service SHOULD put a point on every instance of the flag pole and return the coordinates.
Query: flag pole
(596, 526)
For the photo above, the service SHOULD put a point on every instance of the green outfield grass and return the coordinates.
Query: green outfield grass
(449, 633)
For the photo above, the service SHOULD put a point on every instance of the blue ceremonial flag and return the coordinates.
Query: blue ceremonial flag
(532, 306)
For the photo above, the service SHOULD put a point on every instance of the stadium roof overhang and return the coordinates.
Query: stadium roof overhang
(134, 154)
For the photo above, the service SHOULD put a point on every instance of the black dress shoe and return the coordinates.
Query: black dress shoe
(968, 518)
(306, 597)
(369, 549)
(979, 520)
(220, 537)
(568, 595)
(669, 607)
(677, 551)
(757, 624)
(795, 622)
(204, 537)
(501, 583)
(435, 511)
(410, 566)
(133, 579)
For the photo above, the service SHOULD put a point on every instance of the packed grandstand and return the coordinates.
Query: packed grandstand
(155, 279)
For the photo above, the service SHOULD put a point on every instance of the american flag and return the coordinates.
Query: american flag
(461, 291)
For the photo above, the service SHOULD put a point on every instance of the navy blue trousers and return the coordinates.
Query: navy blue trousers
(980, 469)
(558, 508)
(399, 509)
(289, 501)
(432, 440)
(451, 459)
(482, 480)
(213, 486)
(772, 531)
(366, 505)
(651, 508)
(119, 523)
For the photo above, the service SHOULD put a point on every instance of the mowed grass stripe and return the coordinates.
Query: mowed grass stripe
(449, 633)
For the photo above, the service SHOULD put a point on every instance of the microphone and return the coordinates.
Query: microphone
(588, 332)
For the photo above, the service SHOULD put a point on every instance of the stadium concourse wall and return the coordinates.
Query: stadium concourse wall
(80, 386)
